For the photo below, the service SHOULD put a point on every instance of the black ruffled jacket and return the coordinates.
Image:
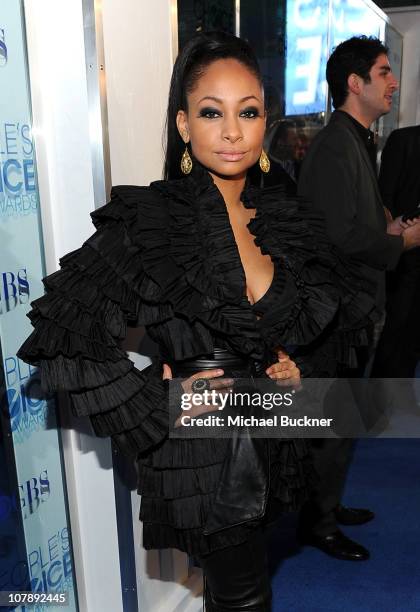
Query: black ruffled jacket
(165, 257)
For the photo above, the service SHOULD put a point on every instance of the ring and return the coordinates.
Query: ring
(200, 385)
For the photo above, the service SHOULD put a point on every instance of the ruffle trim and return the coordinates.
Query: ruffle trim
(327, 291)
(79, 324)
(201, 242)
(177, 242)
(191, 540)
(175, 503)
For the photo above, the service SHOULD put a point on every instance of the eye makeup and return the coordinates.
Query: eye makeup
(209, 113)
(251, 112)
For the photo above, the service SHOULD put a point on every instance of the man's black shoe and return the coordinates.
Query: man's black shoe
(353, 516)
(336, 545)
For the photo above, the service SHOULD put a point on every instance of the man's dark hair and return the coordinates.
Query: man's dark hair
(355, 55)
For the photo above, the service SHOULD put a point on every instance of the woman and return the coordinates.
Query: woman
(224, 277)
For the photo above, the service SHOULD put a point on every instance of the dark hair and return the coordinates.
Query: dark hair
(357, 54)
(201, 51)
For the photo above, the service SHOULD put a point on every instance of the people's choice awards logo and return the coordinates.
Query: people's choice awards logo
(3, 49)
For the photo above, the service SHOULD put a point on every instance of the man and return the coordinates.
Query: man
(398, 351)
(339, 176)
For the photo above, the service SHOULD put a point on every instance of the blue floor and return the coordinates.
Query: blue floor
(385, 477)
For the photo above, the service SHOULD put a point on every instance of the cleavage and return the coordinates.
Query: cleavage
(254, 264)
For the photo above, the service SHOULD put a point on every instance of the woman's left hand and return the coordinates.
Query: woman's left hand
(284, 371)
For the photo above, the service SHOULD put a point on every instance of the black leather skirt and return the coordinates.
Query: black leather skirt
(242, 492)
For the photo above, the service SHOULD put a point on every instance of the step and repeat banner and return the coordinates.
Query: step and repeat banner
(37, 501)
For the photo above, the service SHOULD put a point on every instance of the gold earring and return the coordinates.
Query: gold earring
(264, 162)
(186, 162)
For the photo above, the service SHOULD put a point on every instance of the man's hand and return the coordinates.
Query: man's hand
(388, 215)
(395, 227)
(411, 234)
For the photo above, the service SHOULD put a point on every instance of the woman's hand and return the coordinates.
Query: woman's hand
(221, 385)
(285, 371)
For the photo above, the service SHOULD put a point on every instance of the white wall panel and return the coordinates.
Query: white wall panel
(138, 60)
(63, 142)
(139, 45)
(407, 22)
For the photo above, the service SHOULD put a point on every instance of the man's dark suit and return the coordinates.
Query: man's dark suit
(399, 181)
(337, 176)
